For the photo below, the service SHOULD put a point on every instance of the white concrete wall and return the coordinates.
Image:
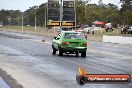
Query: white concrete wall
(117, 39)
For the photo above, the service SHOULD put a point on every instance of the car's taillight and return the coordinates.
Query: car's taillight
(84, 43)
(64, 43)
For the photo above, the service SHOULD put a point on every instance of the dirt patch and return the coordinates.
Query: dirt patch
(93, 37)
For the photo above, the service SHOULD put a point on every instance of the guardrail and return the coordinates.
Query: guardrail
(117, 39)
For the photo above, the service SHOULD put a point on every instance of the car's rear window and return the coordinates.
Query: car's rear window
(73, 36)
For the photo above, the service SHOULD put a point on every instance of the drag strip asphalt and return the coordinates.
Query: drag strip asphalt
(31, 63)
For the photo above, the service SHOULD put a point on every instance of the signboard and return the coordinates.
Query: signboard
(53, 23)
(68, 10)
(53, 10)
(63, 23)
(68, 23)
(53, 15)
(9, 19)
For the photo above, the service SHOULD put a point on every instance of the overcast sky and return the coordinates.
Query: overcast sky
(25, 4)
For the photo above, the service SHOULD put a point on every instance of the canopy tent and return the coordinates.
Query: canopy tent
(99, 23)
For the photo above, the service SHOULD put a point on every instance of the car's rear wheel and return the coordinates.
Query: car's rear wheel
(54, 50)
(77, 53)
(83, 54)
(121, 32)
(60, 52)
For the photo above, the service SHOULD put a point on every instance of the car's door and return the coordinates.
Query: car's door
(57, 41)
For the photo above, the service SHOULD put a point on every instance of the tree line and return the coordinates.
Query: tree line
(86, 14)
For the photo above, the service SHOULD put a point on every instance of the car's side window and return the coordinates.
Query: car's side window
(59, 35)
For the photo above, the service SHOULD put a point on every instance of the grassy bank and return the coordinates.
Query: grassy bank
(19, 28)
(30, 29)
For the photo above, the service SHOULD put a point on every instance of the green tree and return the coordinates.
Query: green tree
(126, 12)
(41, 14)
(80, 12)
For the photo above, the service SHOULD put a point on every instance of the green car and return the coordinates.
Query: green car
(70, 42)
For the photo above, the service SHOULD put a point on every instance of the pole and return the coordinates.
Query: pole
(47, 12)
(35, 21)
(61, 12)
(86, 2)
(85, 10)
(75, 14)
(45, 16)
(10, 21)
(22, 21)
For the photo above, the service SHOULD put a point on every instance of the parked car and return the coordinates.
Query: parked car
(130, 30)
(126, 30)
(108, 27)
(58, 29)
(89, 29)
(70, 42)
(82, 31)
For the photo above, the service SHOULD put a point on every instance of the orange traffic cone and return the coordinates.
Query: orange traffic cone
(43, 40)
